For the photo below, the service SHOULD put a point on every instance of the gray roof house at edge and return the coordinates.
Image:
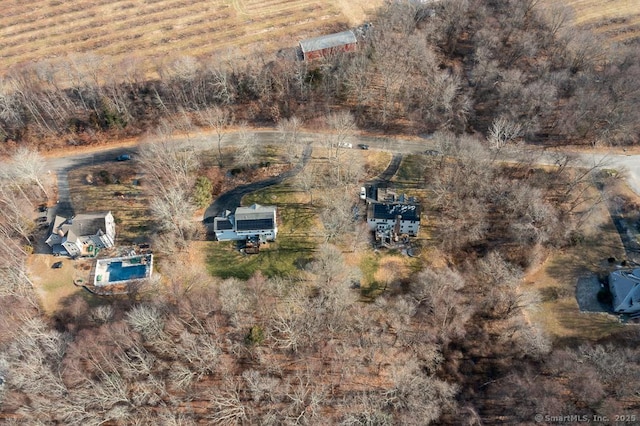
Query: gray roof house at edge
(624, 286)
(328, 41)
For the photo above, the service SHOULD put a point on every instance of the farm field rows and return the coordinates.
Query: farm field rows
(149, 29)
(618, 20)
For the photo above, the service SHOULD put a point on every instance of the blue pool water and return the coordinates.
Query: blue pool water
(117, 272)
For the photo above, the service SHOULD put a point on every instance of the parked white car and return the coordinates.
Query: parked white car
(363, 193)
(345, 145)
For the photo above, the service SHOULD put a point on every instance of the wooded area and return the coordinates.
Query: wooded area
(452, 344)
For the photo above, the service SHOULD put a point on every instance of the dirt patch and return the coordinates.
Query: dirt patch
(357, 11)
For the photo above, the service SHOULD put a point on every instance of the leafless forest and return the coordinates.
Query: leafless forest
(450, 345)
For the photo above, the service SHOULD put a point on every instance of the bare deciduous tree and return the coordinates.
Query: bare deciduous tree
(219, 119)
(503, 131)
(416, 397)
(247, 149)
(228, 408)
(337, 215)
(307, 180)
(27, 165)
(146, 320)
(289, 129)
(343, 126)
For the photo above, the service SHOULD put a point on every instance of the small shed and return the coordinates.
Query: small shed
(325, 45)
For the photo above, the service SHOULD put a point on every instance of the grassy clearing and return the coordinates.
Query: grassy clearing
(376, 162)
(116, 30)
(110, 186)
(385, 269)
(288, 255)
(410, 176)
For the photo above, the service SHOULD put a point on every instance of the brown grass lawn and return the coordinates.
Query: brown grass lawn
(145, 31)
(618, 20)
(55, 286)
(110, 186)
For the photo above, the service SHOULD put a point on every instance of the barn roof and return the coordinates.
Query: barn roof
(328, 41)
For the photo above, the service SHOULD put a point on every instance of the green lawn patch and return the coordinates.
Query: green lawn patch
(369, 286)
(288, 255)
(411, 171)
(369, 265)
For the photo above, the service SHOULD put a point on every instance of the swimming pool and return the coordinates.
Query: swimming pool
(122, 269)
(118, 272)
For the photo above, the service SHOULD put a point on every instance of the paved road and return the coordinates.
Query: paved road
(62, 165)
(630, 164)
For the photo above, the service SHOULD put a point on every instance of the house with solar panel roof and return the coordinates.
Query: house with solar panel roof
(246, 223)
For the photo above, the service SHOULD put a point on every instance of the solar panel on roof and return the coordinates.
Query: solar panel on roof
(254, 224)
(390, 211)
(223, 225)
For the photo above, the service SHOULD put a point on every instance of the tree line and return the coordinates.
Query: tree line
(512, 69)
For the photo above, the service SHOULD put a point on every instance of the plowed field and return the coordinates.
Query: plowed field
(147, 30)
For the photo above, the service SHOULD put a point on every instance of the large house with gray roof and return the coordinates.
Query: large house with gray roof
(399, 217)
(255, 221)
(82, 235)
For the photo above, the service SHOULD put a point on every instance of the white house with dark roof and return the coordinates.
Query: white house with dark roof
(624, 286)
(399, 217)
(83, 234)
(247, 222)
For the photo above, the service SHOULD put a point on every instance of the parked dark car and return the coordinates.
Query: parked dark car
(57, 265)
(363, 146)
(42, 219)
(123, 157)
(42, 208)
(432, 152)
